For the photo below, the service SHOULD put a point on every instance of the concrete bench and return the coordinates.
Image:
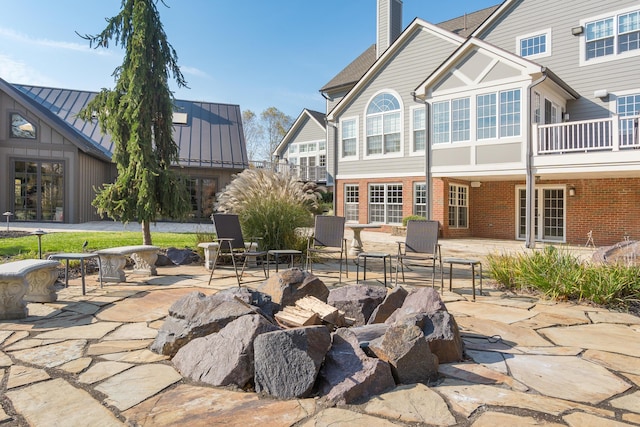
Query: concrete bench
(26, 280)
(113, 260)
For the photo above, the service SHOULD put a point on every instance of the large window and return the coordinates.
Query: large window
(458, 206)
(510, 113)
(460, 120)
(612, 35)
(383, 125)
(486, 116)
(385, 203)
(441, 122)
(420, 199)
(38, 190)
(351, 202)
(349, 139)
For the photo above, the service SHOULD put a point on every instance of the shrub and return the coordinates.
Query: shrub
(271, 206)
(412, 218)
(502, 268)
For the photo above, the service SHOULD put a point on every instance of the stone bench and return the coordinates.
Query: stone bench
(26, 280)
(113, 260)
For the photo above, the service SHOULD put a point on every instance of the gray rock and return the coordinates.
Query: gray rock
(182, 256)
(393, 301)
(357, 301)
(287, 287)
(405, 348)
(349, 375)
(226, 357)
(196, 315)
(163, 260)
(287, 362)
(367, 333)
(422, 300)
(443, 335)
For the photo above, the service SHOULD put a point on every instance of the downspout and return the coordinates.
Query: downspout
(530, 178)
(427, 158)
(334, 168)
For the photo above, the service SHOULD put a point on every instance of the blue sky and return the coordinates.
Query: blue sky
(254, 53)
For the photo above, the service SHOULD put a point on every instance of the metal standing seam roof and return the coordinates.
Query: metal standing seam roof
(463, 26)
(212, 137)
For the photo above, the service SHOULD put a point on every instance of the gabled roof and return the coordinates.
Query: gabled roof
(212, 136)
(352, 73)
(471, 43)
(416, 25)
(500, 11)
(306, 114)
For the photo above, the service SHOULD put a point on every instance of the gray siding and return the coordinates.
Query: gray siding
(91, 173)
(309, 131)
(454, 156)
(418, 57)
(499, 153)
(529, 16)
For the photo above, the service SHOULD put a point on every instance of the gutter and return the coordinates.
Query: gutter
(530, 178)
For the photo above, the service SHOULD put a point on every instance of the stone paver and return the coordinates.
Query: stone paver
(531, 362)
(48, 401)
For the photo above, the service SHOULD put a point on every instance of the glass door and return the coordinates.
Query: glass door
(549, 218)
(38, 191)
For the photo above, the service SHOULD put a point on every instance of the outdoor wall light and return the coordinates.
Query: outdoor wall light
(601, 93)
(576, 31)
(475, 184)
(572, 191)
(8, 215)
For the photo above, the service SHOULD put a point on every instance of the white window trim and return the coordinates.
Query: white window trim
(364, 128)
(547, 52)
(613, 99)
(412, 151)
(540, 188)
(356, 156)
(616, 56)
(345, 203)
(386, 193)
(466, 206)
(415, 192)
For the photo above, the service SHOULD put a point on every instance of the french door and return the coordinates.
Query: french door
(549, 217)
(38, 190)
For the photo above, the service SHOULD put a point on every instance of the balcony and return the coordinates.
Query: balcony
(304, 173)
(610, 134)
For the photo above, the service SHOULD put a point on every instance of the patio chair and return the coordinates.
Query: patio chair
(232, 244)
(327, 239)
(420, 248)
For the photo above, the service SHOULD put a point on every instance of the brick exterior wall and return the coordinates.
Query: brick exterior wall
(609, 207)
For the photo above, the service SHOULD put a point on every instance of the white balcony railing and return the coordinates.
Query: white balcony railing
(305, 173)
(610, 134)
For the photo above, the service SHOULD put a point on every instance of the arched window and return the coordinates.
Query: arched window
(383, 125)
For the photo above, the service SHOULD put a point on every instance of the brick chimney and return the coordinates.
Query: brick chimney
(389, 24)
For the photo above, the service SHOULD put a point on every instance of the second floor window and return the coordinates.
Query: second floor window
(349, 140)
(21, 127)
(419, 129)
(612, 35)
(534, 45)
(383, 125)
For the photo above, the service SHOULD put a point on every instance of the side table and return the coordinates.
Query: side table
(275, 253)
(463, 261)
(377, 255)
(81, 257)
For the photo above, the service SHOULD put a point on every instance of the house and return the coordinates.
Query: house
(514, 122)
(303, 149)
(52, 161)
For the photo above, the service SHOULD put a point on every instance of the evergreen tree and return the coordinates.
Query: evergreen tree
(137, 114)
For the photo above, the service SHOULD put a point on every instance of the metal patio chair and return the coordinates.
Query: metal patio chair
(327, 240)
(420, 248)
(231, 243)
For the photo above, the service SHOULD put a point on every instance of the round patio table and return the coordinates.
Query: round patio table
(77, 256)
(356, 244)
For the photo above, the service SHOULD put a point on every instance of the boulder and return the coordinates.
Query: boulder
(225, 357)
(182, 256)
(288, 286)
(393, 301)
(405, 348)
(349, 375)
(196, 315)
(367, 333)
(287, 362)
(442, 333)
(357, 301)
(421, 300)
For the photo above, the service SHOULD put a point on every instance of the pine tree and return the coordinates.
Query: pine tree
(137, 114)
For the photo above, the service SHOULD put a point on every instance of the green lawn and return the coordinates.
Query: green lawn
(27, 246)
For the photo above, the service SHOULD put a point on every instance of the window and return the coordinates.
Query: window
(460, 119)
(440, 122)
(532, 46)
(608, 36)
(458, 206)
(349, 141)
(385, 203)
(383, 125)
(21, 127)
(38, 190)
(486, 116)
(536, 107)
(629, 106)
(510, 113)
(419, 129)
(203, 196)
(351, 202)
(293, 148)
(420, 199)
(322, 145)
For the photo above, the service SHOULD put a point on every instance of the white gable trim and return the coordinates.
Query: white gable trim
(493, 17)
(296, 125)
